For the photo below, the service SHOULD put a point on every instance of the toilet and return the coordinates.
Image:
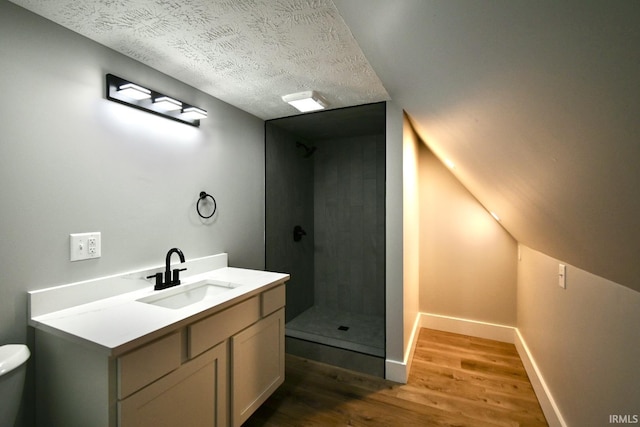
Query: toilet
(13, 368)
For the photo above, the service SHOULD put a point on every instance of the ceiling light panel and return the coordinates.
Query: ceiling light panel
(306, 101)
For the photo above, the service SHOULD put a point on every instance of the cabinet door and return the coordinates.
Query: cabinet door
(146, 364)
(257, 365)
(193, 395)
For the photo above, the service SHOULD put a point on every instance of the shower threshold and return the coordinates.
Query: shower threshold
(350, 331)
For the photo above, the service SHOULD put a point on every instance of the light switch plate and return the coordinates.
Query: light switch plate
(562, 276)
(85, 246)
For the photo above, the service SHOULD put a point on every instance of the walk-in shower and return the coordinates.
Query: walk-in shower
(325, 199)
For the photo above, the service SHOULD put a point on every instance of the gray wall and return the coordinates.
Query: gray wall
(71, 161)
(349, 224)
(289, 202)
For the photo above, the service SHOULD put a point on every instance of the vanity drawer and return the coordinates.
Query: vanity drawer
(272, 300)
(214, 329)
(148, 363)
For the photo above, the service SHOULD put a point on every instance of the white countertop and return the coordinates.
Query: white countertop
(117, 323)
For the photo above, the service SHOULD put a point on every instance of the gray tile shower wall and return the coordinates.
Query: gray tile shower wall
(349, 224)
(289, 202)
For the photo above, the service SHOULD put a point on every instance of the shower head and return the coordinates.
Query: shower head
(308, 151)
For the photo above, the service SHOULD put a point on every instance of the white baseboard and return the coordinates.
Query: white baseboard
(548, 404)
(395, 370)
(413, 341)
(399, 371)
(472, 328)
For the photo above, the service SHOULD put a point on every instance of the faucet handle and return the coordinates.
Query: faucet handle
(158, 277)
(176, 275)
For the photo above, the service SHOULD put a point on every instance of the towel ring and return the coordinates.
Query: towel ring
(204, 196)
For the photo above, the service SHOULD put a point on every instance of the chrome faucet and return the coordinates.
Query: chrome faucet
(169, 278)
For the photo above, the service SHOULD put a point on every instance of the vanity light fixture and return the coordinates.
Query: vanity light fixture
(306, 101)
(136, 96)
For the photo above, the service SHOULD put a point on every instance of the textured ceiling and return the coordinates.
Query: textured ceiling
(247, 53)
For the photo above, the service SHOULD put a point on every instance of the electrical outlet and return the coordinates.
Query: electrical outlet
(84, 246)
(92, 246)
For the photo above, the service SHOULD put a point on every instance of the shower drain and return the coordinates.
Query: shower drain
(343, 328)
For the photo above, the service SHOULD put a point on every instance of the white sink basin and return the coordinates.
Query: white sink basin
(184, 295)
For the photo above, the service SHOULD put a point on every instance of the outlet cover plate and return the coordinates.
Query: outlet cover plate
(85, 246)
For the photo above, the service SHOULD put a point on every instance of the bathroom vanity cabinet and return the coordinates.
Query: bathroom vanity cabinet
(211, 369)
(235, 360)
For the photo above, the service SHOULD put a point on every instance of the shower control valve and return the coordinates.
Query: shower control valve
(298, 232)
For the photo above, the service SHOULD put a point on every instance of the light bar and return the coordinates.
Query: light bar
(133, 95)
(306, 101)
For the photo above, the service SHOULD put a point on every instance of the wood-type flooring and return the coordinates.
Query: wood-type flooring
(455, 380)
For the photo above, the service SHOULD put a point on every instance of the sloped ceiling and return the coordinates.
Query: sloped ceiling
(538, 105)
(248, 53)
